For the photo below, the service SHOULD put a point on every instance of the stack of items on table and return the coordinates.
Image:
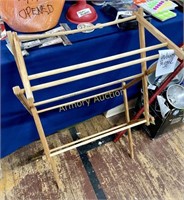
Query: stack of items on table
(119, 9)
(160, 9)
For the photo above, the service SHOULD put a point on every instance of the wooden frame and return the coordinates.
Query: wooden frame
(26, 94)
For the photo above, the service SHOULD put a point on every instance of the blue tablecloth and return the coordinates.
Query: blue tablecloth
(17, 126)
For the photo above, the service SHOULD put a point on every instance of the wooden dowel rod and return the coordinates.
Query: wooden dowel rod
(133, 82)
(142, 42)
(22, 91)
(40, 132)
(94, 135)
(11, 41)
(46, 146)
(160, 36)
(97, 26)
(78, 100)
(88, 137)
(137, 76)
(127, 116)
(22, 68)
(137, 79)
(90, 63)
(93, 73)
(97, 137)
(22, 98)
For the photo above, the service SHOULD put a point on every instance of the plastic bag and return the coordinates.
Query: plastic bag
(31, 15)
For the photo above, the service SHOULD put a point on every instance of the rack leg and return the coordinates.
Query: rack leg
(144, 68)
(127, 115)
(46, 147)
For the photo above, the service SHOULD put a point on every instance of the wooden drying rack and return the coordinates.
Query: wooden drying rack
(26, 94)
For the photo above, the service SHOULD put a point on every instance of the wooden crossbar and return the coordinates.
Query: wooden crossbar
(95, 62)
(97, 26)
(159, 35)
(21, 66)
(95, 137)
(135, 77)
(92, 73)
(78, 100)
(86, 138)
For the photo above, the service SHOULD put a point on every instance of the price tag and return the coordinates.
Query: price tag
(83, 12)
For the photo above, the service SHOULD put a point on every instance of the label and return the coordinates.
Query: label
(85, 25)
(83, 12)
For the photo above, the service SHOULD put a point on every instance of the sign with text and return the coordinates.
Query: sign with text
(31, 15)
(166, 63)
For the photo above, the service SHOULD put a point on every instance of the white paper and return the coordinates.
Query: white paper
(163, 108)
(166, 62)
(152, 87)
(83, 12)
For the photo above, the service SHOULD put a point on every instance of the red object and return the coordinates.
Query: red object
(3, 34)
(153, 97)
(81, 12)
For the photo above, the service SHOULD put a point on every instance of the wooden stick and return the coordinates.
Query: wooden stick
(94, 135)
(87, 137)
(159, 35)
(22, 68)
(12, 45)
(133, 82)
(148, 71)
(22, 98)
(94, 62)
(144, 68)
(97, 26)
(88, 90)
(92, 73)
(78, 100)
(127, 115)
(40, 131)
(10, 39)
(46, 146)
(97, 137)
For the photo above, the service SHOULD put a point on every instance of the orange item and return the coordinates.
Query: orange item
(139, 1)
(31, 15)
